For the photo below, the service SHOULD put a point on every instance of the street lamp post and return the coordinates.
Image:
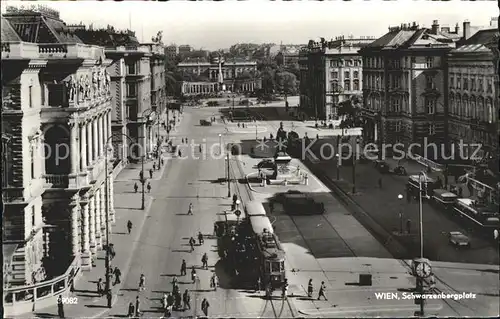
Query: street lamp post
(420, 176)
(228, 178)
(338, 165)
(400, 197)
(354, 166)
(220, 144)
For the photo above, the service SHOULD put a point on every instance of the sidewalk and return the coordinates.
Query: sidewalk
(127, 207)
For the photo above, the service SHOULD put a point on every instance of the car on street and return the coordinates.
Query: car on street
(458, 239)
(266, 164)
(205, 123)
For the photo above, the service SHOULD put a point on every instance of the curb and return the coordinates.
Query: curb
(345, 310)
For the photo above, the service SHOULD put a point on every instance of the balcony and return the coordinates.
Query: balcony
(10, 194)
(23, 50)
(57, 181)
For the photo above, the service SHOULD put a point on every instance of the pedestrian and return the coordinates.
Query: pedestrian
(310, 288)
(100, 291)
(284, 291)
(190, 209)
(129, 226)
(204, 261)
(142, 282)
(174, 280)
(112, 252)
(215, 229)
(235, 198)
(150, 173)
(136, 187)
(204, 306)
(109, 297)
(60, 307)
(131, 309)
(149, 187)
(258, 286)
(178, 301)
(117, 274)
(322, 289)
(214, 281)
(200, 238)
(183, 268)
(380, 182)
(137, 306)
(162, 162)
(141, 175)
(191, 243)
(186, 298)
(408, 226)
(193, 274)
(154, 166)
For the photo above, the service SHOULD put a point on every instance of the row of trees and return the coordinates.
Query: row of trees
(349, 111)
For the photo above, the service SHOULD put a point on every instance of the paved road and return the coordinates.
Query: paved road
(164, 240)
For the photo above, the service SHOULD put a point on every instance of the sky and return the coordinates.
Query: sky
(213, 25)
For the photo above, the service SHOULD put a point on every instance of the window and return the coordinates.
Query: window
(32, 216)
(131, 68)
(398, 126)
(335, 75)
(429, 62)
(350, 62)
(333, 63)
(432, 129)
(459, 82)
(6, 161)
(131, 90)
(396, 105)
(480, 87)
(430, 82)
(347, 85)
(57, 95)
(452, 81)
(473, 84)
(406, 62)
(356, 85)
(466, 84)
(347, 75)
(356, 63)
(430, 106)
(413, 59)
(397, 64)
(30, 96)
(335, 86)
(356, 74)
(32, 158)
(489, 87)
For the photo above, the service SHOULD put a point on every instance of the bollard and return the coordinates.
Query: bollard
(286, 182)
(306, 180)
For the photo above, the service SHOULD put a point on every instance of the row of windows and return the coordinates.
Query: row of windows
(470, 107)
(347, 75)
(472, 84)
(400, 127)
(401, 104)
(379, 63)
(340, 63)
(334, 85)
(464, 132)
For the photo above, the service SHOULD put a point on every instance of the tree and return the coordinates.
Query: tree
(349, 111)
(158, 38)
(245, 75)
(286, 82)
(268, 80)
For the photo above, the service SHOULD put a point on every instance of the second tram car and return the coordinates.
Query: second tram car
(254, 208)
(481, 215)
(270, 253)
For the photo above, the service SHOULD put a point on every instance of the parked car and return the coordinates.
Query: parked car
(205, 123)
(266, 164)
(458, 239)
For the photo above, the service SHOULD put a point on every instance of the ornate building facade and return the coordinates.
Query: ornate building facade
(404, 86)
(335, 74)
(56, 119)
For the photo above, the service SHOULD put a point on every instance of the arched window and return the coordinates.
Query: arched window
(451, 103)
(57, 151)
(465, 106)
(459, 106)
(473, 107)
(481, 116)
(489, 109)
(356, 74)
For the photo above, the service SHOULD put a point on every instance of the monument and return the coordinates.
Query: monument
(283, 171)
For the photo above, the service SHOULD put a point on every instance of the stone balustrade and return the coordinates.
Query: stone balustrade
(57, 181)
(24, 50)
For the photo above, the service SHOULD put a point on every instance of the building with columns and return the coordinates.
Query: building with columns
(56, 119)
(334, 73)
(236, 75)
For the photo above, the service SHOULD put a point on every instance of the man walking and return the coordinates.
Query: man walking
(204, 261)
(186, 300)
(117, 274)
(183, 268)
(129, 226)
(149, 187)
(191, 243)
(204, 306)
(322, 289)
(310, 288)
(150, 173)
(100, 291)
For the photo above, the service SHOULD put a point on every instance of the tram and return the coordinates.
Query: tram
(444, 199)
(428, 185)
(269, 252)
(481, 215)
(255, 208)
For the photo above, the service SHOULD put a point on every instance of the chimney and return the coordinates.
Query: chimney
(466, 31)
(457, 29)
(435, 27)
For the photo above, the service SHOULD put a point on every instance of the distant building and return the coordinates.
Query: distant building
(171, 51)
(238, 75)
(186, 48)
(334, 74)
(404, 86)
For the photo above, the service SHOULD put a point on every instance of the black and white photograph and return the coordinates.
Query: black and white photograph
(250, 159)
